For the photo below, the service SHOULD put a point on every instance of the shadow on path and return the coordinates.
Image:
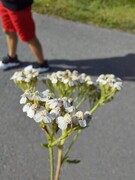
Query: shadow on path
(123, 67)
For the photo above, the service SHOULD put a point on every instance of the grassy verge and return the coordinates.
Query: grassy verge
(118, 14)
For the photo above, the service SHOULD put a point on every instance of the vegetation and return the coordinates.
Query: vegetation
(118, 14)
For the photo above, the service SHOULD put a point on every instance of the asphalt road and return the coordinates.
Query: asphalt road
(107, 147)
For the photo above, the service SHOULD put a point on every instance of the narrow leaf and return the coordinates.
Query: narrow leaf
(73, 161)
(44, 145)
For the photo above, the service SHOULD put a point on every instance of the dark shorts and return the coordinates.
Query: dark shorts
(20, 22)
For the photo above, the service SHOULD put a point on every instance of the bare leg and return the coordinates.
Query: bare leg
(36, 48)
(12, 41)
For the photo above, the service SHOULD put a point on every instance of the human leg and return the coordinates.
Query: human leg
(11, 37)
(12, 40)
(36, 49)
(25, 28)
(11, 59)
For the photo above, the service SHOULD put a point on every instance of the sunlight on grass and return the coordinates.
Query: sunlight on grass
(118, 14)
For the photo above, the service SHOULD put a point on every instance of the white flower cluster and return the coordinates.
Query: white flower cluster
(111, 80)
(26, 75)
(68, 77)
(44, 107)
(36, 96)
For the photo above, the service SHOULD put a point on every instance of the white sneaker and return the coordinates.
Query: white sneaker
(8, 63)
(42, 67)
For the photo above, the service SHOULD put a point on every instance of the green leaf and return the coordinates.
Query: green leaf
(65, 159)
(44, 145)
(73, 161)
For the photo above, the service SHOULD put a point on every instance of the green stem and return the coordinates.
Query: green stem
(81, 101)
(51, 132)
(85, 93)
(77, 97)
(59, 140)
(101, 100)
(60, 93)
(96, 106)
(51, 163)
(80, 92)
(59, 161)
(64, 135)
(50, 139)
(70, 146)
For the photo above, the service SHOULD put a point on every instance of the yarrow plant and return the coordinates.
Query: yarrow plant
(57, 108)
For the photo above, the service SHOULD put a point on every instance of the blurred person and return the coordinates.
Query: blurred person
(17, 21)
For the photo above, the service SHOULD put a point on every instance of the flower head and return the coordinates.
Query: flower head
(62, 110)
(35, 96)
(111, 80)
(26, 75)
(68, 78)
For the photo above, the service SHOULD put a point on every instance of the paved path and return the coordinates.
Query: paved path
(107, 147)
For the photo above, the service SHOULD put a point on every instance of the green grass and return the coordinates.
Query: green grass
(118, 14)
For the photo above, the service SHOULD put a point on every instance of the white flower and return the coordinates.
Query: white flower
(71, 83)
(55, 112)
(69, 78)
(54, 80)
(82, 78)
(48, 118)
(64, 121)
(79, 115)
(82, 123)
(111, 80)
(90, 82)
(61, 123)
(45, 95)
(118, 85)
(64, 80)
(39, 116)
(53, 103)
(36, 96)
(110, 76)
(26, 107)
(16, 75)
(88, 78)
(68, 107)
(43, 116)
(32, 110)
(23, 100)
(28, 68)
(27, 95)
(79, 118)
(102, 79)
(25, 75)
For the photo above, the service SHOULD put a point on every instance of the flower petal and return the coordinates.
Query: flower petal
(82, 123)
